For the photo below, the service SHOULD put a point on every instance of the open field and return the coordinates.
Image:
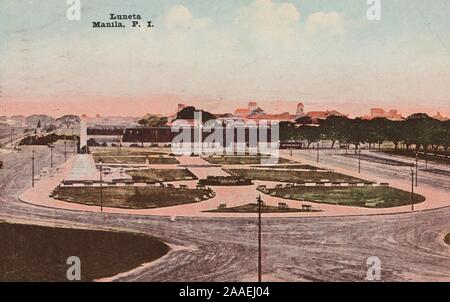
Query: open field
(137, 160)
(374, 197)
(36, 253)
(253, 208)
(292, 176)
(242, 160)
(161, 175)
(131, 197)
(412, 154)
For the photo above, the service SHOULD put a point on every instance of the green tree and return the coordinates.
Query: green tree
(153, 121)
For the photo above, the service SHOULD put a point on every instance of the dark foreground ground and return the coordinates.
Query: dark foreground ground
(36, 253)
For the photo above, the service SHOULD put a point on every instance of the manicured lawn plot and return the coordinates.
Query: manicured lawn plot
(131, 197)
(160, 175)
(152, 160)
(287, 167)
(372, 197)
(243, 160)
(126, 152)
(121, 160)
(292, 176)
(156, 160)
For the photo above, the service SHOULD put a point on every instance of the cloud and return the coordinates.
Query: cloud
(179, 17)
(266, 20)
(320, 21)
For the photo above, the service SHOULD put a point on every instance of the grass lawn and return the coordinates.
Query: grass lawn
(137, 160)
(156, 160)
(243, 160)
(373, 197)
(302, 167)
(127, 152)
(121, 160)
(253, 208)
(158, 175)
(35, 253)
(130, 197)
(292, 176)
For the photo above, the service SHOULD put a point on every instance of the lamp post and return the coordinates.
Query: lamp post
(74, 143)
(101, 184)
(317, 147)
(65, 149)
(32, 168)
(51, 155)
(359, 161)
(260, 202)
(12, 137)
(417, 166)
(412, 189)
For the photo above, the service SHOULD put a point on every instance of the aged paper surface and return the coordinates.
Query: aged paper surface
(254, 140)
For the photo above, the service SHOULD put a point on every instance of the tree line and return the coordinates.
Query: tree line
(418, 132)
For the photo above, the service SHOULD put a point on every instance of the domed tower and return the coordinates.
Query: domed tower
(252, 105)
(300, 109)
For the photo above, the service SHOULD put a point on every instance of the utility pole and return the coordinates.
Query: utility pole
(412, 189)
(259, 201)
(74, 144)
(417, 166)
(65, 150)
(32, 168)
(12, 137)
(101, 184)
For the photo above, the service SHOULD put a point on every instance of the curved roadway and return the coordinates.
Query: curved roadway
(410, 246)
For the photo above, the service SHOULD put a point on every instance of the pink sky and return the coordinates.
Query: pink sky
(167, 104)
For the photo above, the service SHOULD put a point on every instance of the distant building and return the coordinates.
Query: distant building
(323, 115)
(245, 112)
(440, 117)
(392, 114)
(300, 110)
(252, 106)
(253, 112)
(377, 112)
